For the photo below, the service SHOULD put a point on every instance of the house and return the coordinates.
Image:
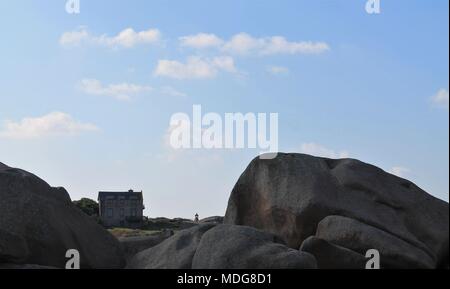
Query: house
(121, 209)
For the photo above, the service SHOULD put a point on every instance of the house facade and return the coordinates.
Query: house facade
(121, 209)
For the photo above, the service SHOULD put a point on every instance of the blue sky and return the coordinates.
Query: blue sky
(88, 108)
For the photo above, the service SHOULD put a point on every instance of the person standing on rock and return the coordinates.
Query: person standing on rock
(196, 219)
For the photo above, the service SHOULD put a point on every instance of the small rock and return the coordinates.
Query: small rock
(330, 256)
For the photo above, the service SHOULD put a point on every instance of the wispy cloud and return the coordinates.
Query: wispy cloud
(195, 67)
(52, 124)
(440, 99)
(322, 151)
(201, 40)
(168, 90)
(121, 91)
(125, 39)
(245, 44)
(277, 70)
(400, 171)
(75, 37)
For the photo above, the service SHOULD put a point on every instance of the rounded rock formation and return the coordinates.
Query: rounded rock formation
(291, 194)
(39, 224)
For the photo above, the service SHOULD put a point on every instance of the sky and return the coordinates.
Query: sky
(86, 98)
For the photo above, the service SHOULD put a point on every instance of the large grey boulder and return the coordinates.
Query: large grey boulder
(238, 247)
(176, 252)
(291, 194)
(39, 223)
(13, 248)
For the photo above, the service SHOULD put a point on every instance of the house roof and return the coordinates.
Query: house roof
(127, 195)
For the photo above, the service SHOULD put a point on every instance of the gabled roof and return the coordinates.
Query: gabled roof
(127, 195)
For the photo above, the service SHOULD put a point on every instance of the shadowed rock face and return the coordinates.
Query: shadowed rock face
(291, 194)
(39, 223)
(176, 252)
(330, 256)
(213, 246)
(133, 245)
(238, 247)
(25, 267)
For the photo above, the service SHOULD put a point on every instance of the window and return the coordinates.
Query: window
(122, 213)
(110, 212)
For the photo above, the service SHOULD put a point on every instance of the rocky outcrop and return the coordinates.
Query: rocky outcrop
(168, 224)
(39, 223)
(213, 246)
(176, 252)
(214, 219)
(294, 212)
(237, 247)
(133, 245)
(345, 202)
(359, 237)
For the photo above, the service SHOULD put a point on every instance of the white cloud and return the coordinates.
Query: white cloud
(129, 38)
(225, 63)
(401, 172)
(274, 45)
(321, 151)
(276, 70)
(244, 43)
(126, 39)
(53, 124)
(73, 38)
(194, 68)
(201, 40)
(168, 90)
(279, 45)
(441, 99)
(120, 91)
